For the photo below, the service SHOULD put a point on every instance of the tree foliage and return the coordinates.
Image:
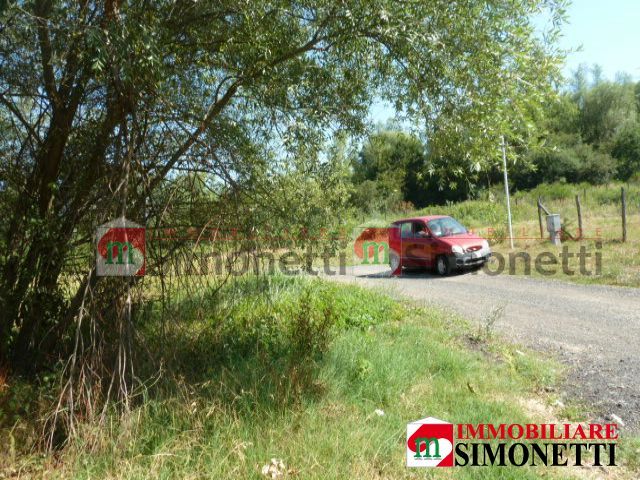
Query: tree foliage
(590, 134)
(394, 168)
(104, 103)
(394, 163)
(626, 149)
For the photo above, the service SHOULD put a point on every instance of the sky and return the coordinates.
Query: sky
(608, 32)
(604, 32)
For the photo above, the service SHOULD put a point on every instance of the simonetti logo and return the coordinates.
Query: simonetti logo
(436, 443)
(371, 246)
(120, 249)
(429, 443)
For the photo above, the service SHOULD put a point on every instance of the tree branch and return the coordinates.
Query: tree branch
(42, 10)
(13, 109)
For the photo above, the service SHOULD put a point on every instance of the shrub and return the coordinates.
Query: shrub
(497, 235)
(566, 164)
(626, 150)
(595, 167)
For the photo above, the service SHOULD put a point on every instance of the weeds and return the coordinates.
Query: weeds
(486, 327)
(294, 369)
(497, 235)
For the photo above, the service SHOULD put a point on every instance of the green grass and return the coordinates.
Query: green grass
(601, 225)
(597, 202)
(295, 369)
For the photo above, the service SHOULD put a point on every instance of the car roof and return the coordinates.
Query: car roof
(425, 218)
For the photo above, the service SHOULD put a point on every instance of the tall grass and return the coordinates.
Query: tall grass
(322, 377)
(490, 208)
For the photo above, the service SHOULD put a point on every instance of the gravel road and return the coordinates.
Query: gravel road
(595, 330)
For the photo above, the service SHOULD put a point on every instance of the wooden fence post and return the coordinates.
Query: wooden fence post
(624, 215)
(540, 217)
(579, 207)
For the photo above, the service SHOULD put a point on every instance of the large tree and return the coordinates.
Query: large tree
(394, 168)
(101, 102)
(396, 163)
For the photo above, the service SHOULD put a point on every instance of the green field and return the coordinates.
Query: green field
(321, 377)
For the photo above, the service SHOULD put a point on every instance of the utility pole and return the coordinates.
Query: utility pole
(506, 190)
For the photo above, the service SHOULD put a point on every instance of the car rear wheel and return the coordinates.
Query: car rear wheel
(394, 262)
(442, 266)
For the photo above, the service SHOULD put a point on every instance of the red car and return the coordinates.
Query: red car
(436, 241)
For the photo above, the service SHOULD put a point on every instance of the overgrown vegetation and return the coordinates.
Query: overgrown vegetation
(602, 227)
(299, 370)
(105, 106)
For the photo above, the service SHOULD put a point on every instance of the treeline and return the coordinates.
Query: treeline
(593, 134)
(590, 134)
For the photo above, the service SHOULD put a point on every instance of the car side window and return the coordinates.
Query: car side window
(418, 227)
(406, 230)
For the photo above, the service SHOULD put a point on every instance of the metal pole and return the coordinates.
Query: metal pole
(506, 190)
(624, 215)
(579, 207)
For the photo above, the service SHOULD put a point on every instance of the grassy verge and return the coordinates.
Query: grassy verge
(321, 377)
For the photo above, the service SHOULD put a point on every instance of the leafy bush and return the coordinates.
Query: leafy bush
(498, 234)
(372, 196)
(566, 164)
(275, 318)
(553, 191)
(595, 167)
(626, 150)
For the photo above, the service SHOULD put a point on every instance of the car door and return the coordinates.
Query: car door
(423, 244)
(406, 242)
